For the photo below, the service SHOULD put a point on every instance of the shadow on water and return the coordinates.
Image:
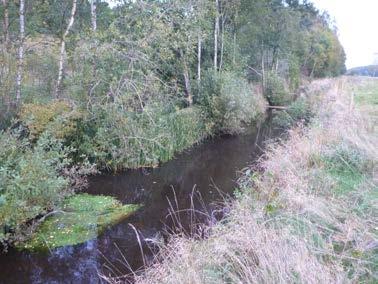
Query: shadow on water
(211, 165)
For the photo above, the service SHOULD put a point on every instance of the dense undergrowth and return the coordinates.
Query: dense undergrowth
(306, 214)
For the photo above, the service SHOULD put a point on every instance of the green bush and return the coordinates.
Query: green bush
(30, 180)
(276, 91)
(117, 139)
(37, 117)
(229, 102)
(299, 110)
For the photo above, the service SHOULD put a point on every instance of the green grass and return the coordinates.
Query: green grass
(345, 166)
(367, 94)
(83, 218)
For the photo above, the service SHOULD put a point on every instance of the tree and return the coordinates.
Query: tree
(216, 34)
(20, 51)
(63, 49)
(6, 23)
(94, 15)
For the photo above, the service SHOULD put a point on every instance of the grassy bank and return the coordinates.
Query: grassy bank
(309, 214)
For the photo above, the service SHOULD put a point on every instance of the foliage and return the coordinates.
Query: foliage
(229, 102)
(119, 139)
(30, 180)
(82, 217)
(298, 111)
(37, 117)
(276, 91)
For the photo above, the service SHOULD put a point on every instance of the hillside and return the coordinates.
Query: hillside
(370, 71)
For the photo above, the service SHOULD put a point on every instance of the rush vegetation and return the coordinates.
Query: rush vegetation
(87, 87)
(309, 214)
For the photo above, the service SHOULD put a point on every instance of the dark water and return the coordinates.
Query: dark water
(213, 164)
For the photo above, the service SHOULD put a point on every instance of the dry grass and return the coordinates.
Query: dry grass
(310, 216)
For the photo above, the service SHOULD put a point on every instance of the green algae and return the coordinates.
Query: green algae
(83, 218)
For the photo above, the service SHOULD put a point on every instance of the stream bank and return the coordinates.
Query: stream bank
(205, 167)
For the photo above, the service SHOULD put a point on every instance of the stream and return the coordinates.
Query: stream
(209, 170)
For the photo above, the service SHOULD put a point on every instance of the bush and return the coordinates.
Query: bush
(56, 119)
(300, 110)
(124, 139)
(276, 91)
(37, 117)
(30, 180)
(229, 102)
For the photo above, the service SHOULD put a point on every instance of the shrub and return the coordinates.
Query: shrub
(37, 117)
(122, 139)
(229, 102)
(30, 180)
(300, 110)
(276, 91)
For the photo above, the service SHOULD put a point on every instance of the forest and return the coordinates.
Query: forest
(91, 86)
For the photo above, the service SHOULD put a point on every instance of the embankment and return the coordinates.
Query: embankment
(309, 216)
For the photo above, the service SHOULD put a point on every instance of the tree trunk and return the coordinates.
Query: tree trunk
(222, 44)
(313, 69)
(20, 64)
(63, 49)
(216, 33)
(199, 57)
(188, 91)
(263, 69)
(6, 23)
(94, 15)
(234, 55)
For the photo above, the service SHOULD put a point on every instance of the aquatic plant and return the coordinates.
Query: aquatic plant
(82, 217)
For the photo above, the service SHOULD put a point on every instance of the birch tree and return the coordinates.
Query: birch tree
(6, 23)
(20, 62)
(199, 58)
(216, 33)
(94, 15)
(63, 48)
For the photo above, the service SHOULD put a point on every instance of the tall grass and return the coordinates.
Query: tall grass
(308, 216)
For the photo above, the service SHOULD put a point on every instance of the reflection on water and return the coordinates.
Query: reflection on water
(207, 168)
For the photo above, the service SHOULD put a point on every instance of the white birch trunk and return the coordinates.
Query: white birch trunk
(20, 63)
(216, 33)
(63, 49)
(199, 57)
(234, 55)
(6, 23)
(94, 15)
(222, 45)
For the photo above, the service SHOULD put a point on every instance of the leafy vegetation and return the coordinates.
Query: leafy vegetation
(228, 102)
(33, 180)
(82, 217)
(299, 111)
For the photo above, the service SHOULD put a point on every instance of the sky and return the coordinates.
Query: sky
(357, 22)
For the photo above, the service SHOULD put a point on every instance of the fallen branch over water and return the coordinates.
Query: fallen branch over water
(278, 107)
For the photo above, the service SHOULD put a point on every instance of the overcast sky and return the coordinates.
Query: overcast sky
(357, 21)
